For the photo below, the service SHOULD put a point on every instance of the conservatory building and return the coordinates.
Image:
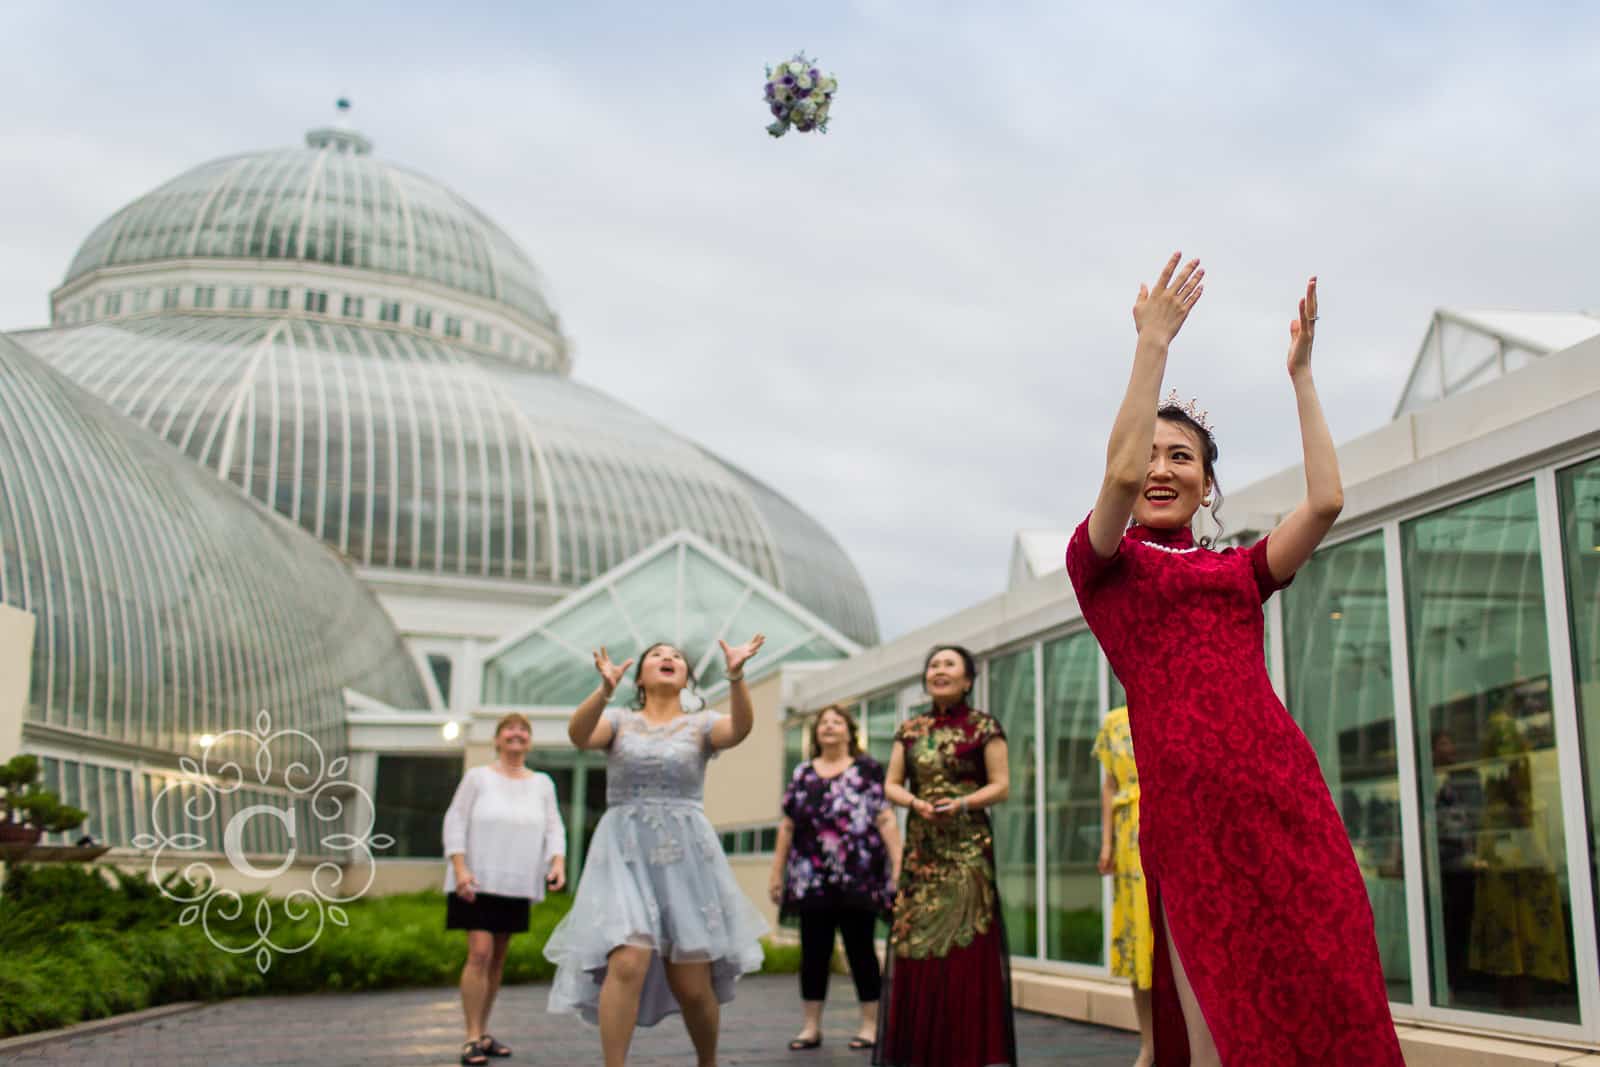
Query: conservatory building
(357, 368)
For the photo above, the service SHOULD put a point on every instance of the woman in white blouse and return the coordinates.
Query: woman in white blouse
(505, 842)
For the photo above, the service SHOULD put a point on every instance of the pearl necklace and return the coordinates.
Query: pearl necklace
(1169, 548)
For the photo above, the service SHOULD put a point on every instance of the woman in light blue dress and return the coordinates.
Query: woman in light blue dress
(658, 924)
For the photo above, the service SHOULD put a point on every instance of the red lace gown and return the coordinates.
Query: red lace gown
(1243, 851)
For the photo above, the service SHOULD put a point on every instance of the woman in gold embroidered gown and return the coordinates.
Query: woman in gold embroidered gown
(947, 992)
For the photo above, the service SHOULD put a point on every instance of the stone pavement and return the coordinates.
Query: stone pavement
(424, 1027)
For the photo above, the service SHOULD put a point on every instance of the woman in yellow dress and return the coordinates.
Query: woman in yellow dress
(1132, 941)
(1519, 924)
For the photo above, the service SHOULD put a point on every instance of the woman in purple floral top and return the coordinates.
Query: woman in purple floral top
(836, 862)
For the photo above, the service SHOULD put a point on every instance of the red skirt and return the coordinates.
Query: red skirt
(950, 1011)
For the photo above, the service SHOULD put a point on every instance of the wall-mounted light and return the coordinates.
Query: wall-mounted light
(451, 730)
(207, 740)
(1336, 611)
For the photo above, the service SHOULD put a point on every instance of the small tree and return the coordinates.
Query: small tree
(28, 805)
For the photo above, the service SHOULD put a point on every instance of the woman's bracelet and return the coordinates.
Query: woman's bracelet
(736, 677)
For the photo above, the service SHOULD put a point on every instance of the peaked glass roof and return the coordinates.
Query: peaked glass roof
(682, 591)
(1465, 349)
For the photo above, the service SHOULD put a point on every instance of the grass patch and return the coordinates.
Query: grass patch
(81, 943)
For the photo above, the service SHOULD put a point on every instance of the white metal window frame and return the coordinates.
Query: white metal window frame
(1580, 902)
(1039, 960)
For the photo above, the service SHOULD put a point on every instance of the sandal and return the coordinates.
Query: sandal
(860, 1043)
(800, 1044)
(472, 1055)
(490, 1047)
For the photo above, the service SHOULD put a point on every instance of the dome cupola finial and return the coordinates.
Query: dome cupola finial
(340, 137)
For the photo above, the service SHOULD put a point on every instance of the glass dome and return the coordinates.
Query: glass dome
(361, 350)
(412, 454)
(166, 607)
(329, 203)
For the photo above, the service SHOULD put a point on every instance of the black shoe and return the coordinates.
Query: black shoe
(490, 1047)
(472, 1055)
(802, 1045)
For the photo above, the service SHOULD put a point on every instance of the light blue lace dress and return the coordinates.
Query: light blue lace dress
(654, 876)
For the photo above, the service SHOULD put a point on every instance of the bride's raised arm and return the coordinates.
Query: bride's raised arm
(1159, 313)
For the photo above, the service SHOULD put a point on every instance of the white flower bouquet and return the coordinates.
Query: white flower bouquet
(798, 94)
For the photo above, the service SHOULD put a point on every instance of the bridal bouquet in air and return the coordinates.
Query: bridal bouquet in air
(799, 94)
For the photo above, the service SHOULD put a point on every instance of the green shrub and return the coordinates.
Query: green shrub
(80, 942)
(779, 959)
(1076, 934)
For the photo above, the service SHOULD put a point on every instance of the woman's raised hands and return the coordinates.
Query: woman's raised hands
(1159, 313)
(1303, 331)
(739, 656)
(610, 672)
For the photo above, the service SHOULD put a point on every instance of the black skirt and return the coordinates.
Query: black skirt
(496, 914)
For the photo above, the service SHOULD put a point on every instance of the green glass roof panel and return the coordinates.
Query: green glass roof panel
(680, 591)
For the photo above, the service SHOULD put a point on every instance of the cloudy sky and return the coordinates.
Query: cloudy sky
(917, 326)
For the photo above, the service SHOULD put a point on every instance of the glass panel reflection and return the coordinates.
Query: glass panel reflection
(796, 744)
(1491, 791)
(1075, 917)
(1579, 488)
(414, 793)
(1341, 692)
(880, 726)
(1011, 699)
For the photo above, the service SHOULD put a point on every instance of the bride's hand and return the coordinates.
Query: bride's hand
(610, 673)
(1303, 331)
(1160, 313)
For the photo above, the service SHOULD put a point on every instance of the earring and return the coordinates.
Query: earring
(1205, 502)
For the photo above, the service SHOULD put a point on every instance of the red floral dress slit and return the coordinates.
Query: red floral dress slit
(1243, 851)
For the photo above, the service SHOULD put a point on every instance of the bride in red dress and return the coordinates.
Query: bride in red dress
(1265, 953)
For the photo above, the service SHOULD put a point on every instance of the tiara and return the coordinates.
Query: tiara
(1191, 409)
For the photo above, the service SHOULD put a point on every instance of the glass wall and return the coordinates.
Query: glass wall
(881, 721)
(796, 744)
(1579, 491)
(1341, 692)
(1011, 701)
(1476, 919)
(1073, 892)
(1497, 890)
(413, 793)
(106, 793)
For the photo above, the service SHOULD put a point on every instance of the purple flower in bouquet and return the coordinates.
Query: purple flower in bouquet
(798, 94)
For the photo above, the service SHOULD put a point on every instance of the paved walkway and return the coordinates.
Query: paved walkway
(423, 1027)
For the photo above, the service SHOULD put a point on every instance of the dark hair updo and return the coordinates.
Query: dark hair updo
(638, 690)
(1208, 459)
